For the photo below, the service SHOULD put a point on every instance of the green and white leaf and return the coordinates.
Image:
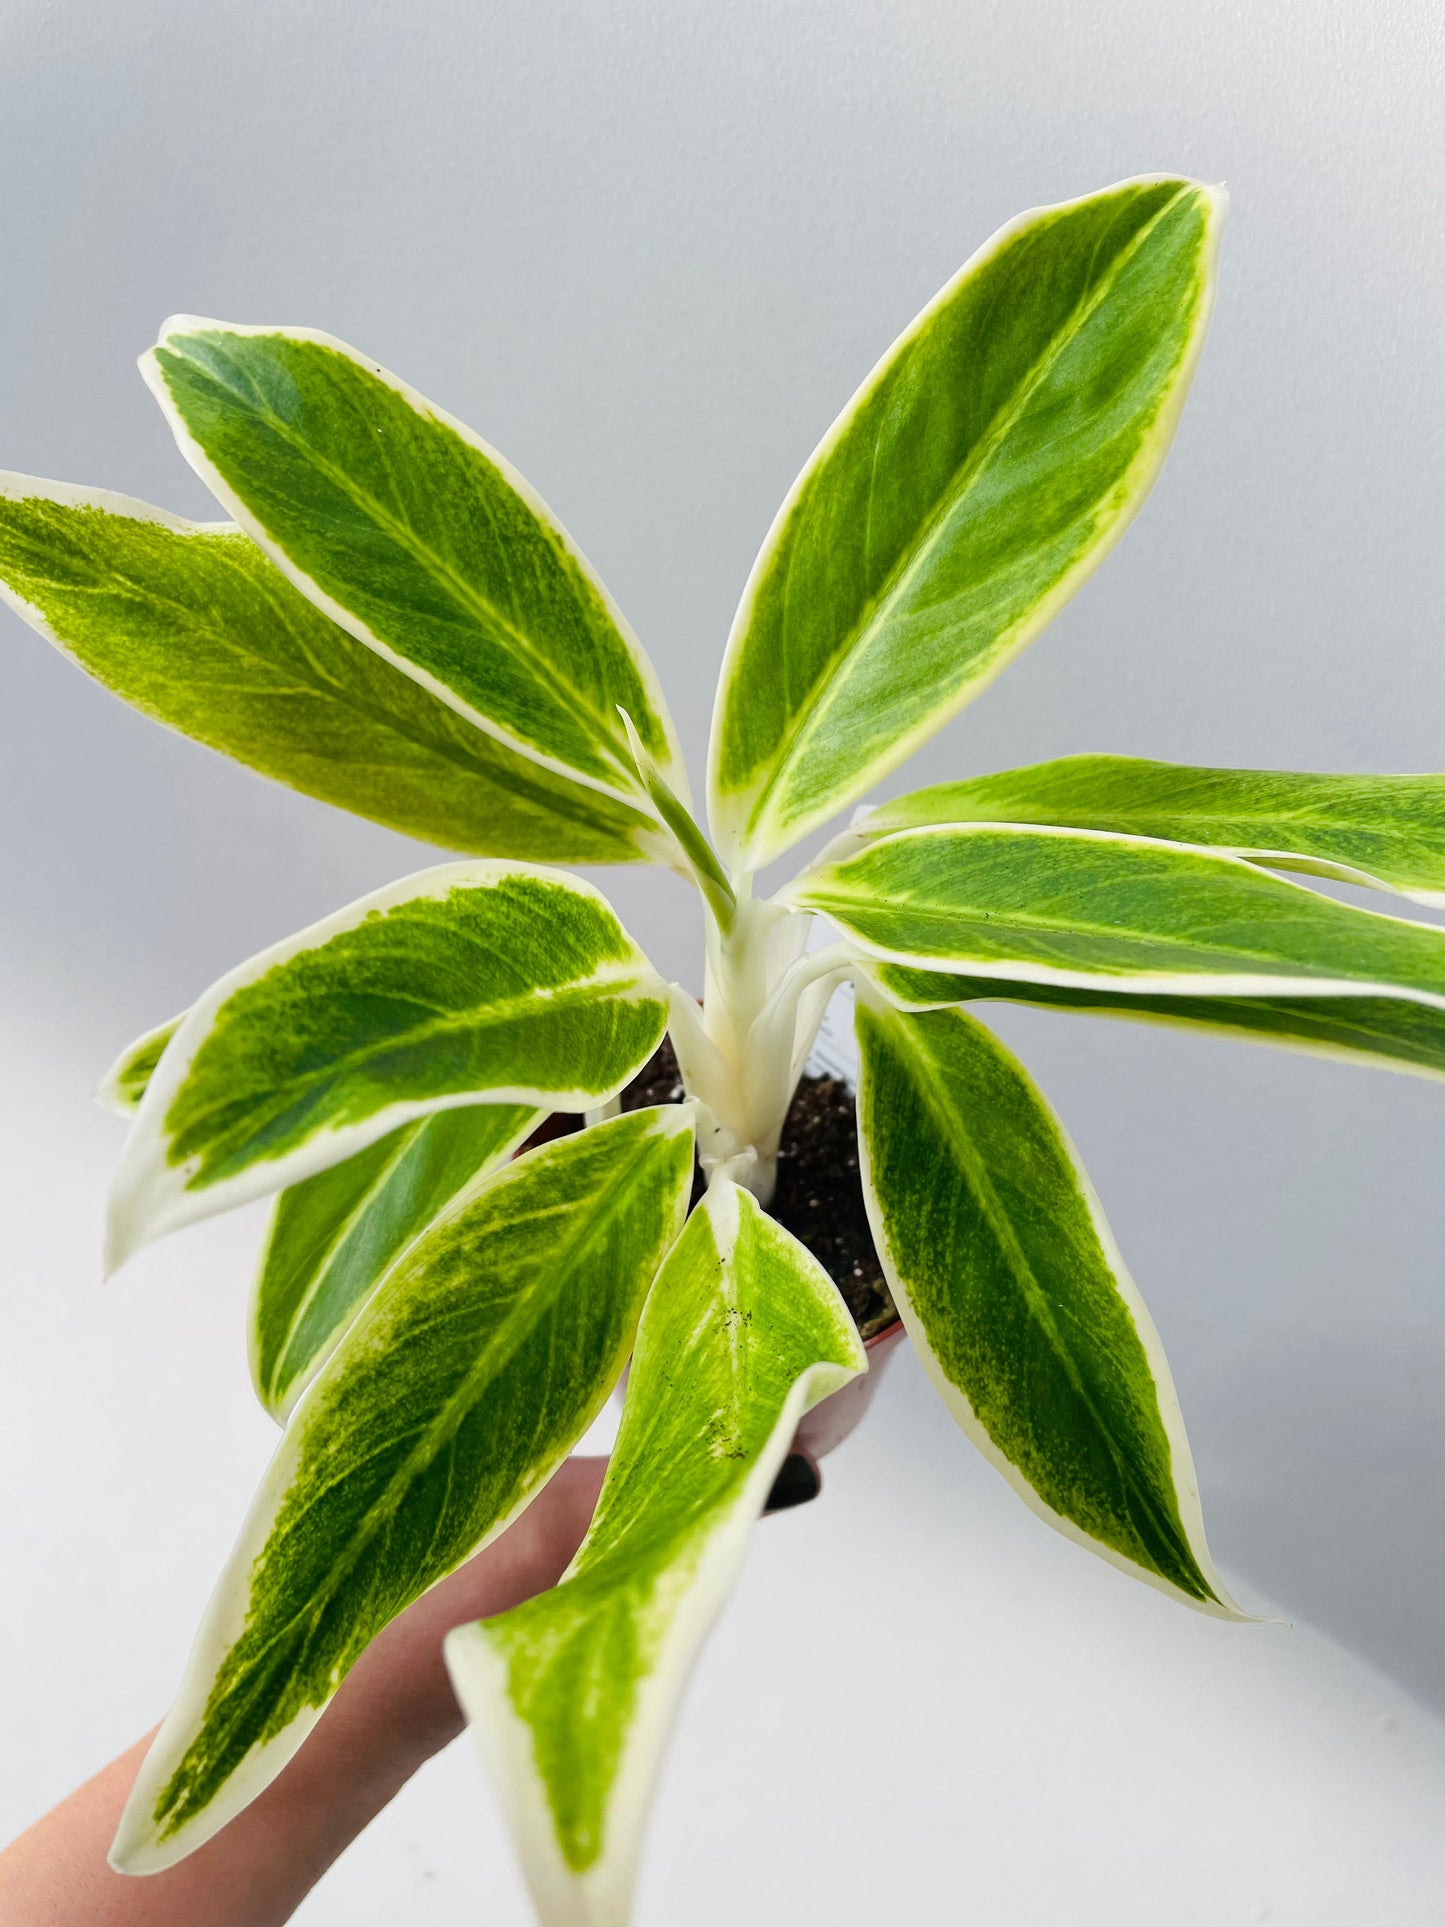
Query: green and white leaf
(572, 1695)
(492, 981)
(333, 1237)
(419, 539)
(484, 1355)
(125, 1083)
(1388, 1032)
(979, 476)
(1017, 1300)
(1082, 909)
(1385, 832)
(191, 624)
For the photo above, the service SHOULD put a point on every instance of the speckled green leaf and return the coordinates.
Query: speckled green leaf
(190, 623)
(1081, 909)
(125, 1083)
(981, 473)
(1388, 1032)
(572, 1695)
(1387, 832)
(483, 980)
(1017, 1299)
(416, 537)
(333, 1236)
(481, 1359)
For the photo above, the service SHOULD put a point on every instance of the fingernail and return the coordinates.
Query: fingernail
(798, 1481)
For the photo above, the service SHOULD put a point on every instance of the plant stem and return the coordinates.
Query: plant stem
(742, 1052)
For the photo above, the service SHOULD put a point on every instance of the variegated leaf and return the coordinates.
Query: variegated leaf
(334, 1236)
(482, 1358)
(1016, 1297)
(1386, 832)
(414, 535)
(191, 624)
(1390, 1032)
(572, 1695)
(126, 1082)
(484, 980)
(1082, 909)
(981, 473)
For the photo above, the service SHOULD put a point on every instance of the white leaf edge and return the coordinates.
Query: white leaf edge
(1181, 983)
(728, 815)
(601, 1897)
(149, 1196)
(866, 831)
(111, 1091)
(281, 1408)
(180, 325)
(135, 1849)
(15, 487)
(1120, 1013)
(1186, 1481)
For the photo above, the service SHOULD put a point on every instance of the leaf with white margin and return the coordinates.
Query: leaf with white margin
(1384, 832)
(408, 530)
(485, 1354)
(485, 981)
(1084, 909)
(979, 476)
(1390, 1033)
(189, 623)
(1017, 1300)
(572, 1695)
(333, 1237)
(127, 1080)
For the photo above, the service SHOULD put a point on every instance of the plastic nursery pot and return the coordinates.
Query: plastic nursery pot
(830, 1422)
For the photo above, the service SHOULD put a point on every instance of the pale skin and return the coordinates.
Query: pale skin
(395, 1710)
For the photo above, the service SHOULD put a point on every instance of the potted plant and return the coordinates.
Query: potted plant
(394, 622)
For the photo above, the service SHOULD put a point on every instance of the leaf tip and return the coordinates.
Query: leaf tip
(135, 1215)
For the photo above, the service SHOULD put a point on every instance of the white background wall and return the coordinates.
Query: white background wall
(648, 250)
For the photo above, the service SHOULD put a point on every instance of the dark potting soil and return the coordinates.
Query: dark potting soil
(820, 1194)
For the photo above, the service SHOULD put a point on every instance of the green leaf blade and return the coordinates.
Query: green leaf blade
(415, 536)
(1385, 832)
(191, 624)
(1389, 1033)
(522, 1301)
(472, 982)
(335, 1235)
(1017, 1299)
(128, 1079)
(1083, 909)
(571, 1696)
(975, 481)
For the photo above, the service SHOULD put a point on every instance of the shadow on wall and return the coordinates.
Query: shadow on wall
(1322, 1483)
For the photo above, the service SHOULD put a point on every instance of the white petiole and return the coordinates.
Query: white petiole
(742, 1050)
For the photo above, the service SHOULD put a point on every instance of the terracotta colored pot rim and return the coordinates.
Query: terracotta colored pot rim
(828, 1424)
